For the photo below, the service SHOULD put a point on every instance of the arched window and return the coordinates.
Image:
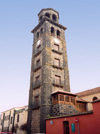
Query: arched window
(47, 15)
(58, 33)
(54, 17)
(41, 31)
(52, 30)
(95, 98)
(37, 34)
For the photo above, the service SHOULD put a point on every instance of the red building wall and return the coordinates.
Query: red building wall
(88, 123)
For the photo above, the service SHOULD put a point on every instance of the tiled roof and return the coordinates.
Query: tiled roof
(81, 100)
(96, 101)
(18, 108)
(63, 92)
(89, 92)
(15, 108)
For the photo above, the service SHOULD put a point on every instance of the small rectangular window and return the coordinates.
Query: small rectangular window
(11, 120)
(38, 47)
(18, 118)
(36, 98)
(37, 77)
(57, 62)
(38, 62)
(57, 79)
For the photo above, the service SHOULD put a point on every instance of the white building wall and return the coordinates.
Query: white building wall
(10, 119)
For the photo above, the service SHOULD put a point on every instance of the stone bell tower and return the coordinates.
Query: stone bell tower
(49, 68)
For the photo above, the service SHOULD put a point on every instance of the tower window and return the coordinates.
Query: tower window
(37, 34)
(47, 15)
(36, 99)
(37, 77)
(41, 30)
(40, 18)
(57, 61)
(38, 62)
(38, 47)
(52, 30)
(18, 118)
(56, 47)
(57, 79)
(58, 33)
(54, 17)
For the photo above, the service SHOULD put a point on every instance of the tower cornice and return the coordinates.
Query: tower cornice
(52, 22)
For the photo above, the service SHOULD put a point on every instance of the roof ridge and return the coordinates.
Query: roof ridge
(89, 91)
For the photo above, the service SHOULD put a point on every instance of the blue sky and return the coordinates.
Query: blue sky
(18, 18)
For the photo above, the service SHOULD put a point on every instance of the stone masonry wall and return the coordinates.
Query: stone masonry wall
(36, 121)
(63, 109)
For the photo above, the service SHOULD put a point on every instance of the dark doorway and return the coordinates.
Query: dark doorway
(66, 127)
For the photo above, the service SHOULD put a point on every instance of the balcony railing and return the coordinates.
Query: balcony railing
(37, 66)
(59, 51)
(37, 51)
(60, 66)
(58, 83)
(36, 84)
(35, 105)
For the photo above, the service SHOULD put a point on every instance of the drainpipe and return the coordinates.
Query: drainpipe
(77, 121)
(78, 128)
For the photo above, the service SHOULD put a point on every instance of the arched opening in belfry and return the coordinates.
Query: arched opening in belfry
(54, 17)
(47, 15)
(95, 98)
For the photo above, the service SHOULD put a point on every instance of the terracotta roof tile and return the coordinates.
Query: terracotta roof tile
(89, 92)
(81, 100)
(63, 92)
